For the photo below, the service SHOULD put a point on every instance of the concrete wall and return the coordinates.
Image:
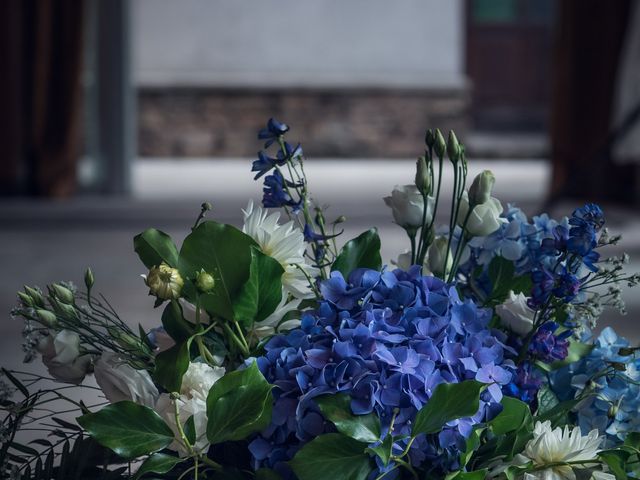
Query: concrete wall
(308, 43)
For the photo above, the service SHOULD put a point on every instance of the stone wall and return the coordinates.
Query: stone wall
(348, 122)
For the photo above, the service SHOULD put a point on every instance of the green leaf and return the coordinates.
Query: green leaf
(238, 405)
(384, 450)
(501, 272)
(154, 247)
(449, 401)
(330, 457)
(515, 415)
(158, 463)
(577, 351)
(471, 445)
(267, 474)
(262, 293)
(171, 366)
(556, 414)
(361, 252)
(174, 322)
(475, 475)
(224, 252)
(129, 429)
(547, 400)
(17, 383)
(337, 409)
(616, 460)
(190, 430)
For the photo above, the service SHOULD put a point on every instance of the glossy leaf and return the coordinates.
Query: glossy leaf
(361, 252)
(154, 247)
(383, 450)
(337, 409)
(129, 429)
(449, 401)
(224, 252)
(158, 463)
(238, 405)
(174, 322)
(171, 366)
(330, 457)
(515, 414)
(262, 292)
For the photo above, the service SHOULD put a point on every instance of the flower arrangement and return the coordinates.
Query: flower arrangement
(281, 356)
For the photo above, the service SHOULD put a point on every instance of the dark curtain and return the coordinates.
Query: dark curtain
(589, 39)
(41, 52)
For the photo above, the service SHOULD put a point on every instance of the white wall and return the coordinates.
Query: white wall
(411, 43)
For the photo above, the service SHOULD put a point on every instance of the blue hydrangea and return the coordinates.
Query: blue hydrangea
(386, 339)
(613, 407)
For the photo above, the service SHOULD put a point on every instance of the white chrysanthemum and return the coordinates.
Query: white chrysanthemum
(550, 446)
(196, 383)
(284, 243)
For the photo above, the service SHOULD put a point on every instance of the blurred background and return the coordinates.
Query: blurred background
(120, 115)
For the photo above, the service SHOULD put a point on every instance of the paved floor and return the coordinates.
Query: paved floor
(41, 242)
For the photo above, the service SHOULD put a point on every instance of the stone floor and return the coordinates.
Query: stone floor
(45, 241)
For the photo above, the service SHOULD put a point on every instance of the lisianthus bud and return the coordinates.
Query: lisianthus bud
(62, 293)
(64, 310)
(205, 282)
(429, 138)
(26, 300)
(423, 179)
(47, 318)
(88, 279)
(35, 295)
(439, 145)
(480, 190)
(453, 147)
(164, 282)
(438, 260)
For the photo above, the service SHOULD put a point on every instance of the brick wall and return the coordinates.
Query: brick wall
(199, 122)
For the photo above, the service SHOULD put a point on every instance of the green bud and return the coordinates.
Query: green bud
(47, 318)
(206, 206)
(613, 411)
(164, 282)
(35, 295)
(205, 282)
(124, 339)
(26, 300)
(429, 138)
(64, 310)
(480, 190)
(88, 279)
(453, 147)
(423, 179)
(340, 219)
(62, 293)
(439, 145)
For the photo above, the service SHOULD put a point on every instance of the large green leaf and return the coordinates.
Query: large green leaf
(171, 366)
(262, 293)
(129, 429)
(337, 409)
(475, 475)
(361, 252)
(238, 405)
(501, 272)
(330, 457)
(515, 415)
(154, 247)
(224, 252)
(158, 463)
(449, 401)
(174, 322)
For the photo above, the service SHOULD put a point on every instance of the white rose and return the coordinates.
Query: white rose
(61, 356)
(407, 206)
(120, 381)
(516, 314)
(196, 383)
(484, 218)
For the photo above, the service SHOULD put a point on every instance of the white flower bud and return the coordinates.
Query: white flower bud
(423, 178)
(438, 260)
(516, 314)
(484, 218)
(480, 190)
(407, 206)
(164, 282)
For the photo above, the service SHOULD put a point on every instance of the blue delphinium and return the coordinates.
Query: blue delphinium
(276, 193)
(272, 131)
(614, 402)
(386, 339)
